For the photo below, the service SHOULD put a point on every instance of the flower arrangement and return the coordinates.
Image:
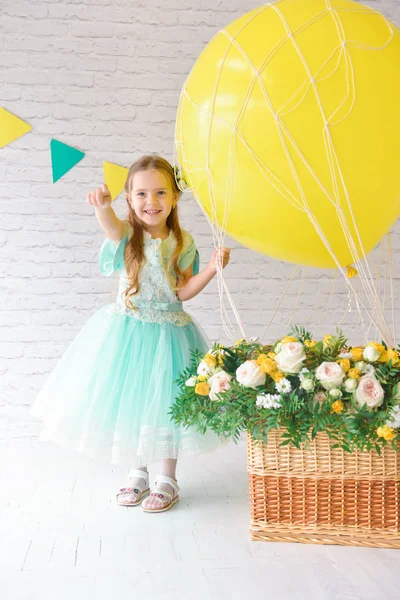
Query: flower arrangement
(299, 384)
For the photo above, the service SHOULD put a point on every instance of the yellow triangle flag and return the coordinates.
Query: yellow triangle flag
(11, 127)
(114, 177)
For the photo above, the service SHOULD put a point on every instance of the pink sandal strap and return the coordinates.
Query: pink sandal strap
(133, 490)
(162, 495)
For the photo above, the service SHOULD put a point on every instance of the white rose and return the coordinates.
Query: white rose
(219, 383)
(330, 374)
(335, 393)
(250, 375)
(278, 347)
(360, 365)
(204, 369)
(191, 382)
(369, 392)
(290, 359)
(308, 385)
(345, 355)
(350, 384)
(371, 354)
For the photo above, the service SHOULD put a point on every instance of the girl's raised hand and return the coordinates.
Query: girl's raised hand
(220, 258)
(99, 197)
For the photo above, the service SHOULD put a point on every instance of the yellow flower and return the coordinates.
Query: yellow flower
(387, 355)
(310, 343)
(202, 378)
(354, 374)
(357, 353)
(377, 346)
(344, 363)
(337, 407)
(288, 339)
(277, 376)
(327, 340)
(386, 432)
(271, 355)
(238, 342)
(202, 389)
(267, 365)
(220, 359)
(210, 360)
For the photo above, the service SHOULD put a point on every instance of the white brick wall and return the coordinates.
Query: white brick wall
(105, 76)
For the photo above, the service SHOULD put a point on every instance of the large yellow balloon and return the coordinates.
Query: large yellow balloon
(289, 121)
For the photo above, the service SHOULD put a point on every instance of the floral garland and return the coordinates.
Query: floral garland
(299, 384)
(180, 180)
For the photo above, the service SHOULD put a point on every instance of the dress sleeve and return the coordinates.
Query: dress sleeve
(190, 256)
(111, 256)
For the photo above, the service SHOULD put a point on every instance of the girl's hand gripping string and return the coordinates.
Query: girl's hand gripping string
(197, 283)
(219, 259)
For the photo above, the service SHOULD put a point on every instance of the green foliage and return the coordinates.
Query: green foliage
(300, 333)
(333, 346)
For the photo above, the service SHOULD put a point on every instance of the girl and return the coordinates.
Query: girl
(110, 394)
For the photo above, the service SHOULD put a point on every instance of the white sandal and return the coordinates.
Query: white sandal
(139, 492)
(165, 499)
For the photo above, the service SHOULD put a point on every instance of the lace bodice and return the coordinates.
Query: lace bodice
(156, 300)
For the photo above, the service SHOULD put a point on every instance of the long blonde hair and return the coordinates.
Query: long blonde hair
(134, 252)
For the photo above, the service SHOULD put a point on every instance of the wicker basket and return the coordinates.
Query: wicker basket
(322, 495)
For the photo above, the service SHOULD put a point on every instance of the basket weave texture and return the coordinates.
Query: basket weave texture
(323, 495)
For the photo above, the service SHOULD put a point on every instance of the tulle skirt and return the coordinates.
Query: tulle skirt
(110, 393)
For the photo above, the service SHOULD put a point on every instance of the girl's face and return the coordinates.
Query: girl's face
(152, 197)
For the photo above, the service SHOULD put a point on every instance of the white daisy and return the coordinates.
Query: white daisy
(283, 386)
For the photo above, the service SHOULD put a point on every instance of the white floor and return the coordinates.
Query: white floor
(63, 537)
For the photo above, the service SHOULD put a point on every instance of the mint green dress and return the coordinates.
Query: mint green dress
(110, 393)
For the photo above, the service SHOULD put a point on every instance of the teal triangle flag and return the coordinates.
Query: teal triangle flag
(63, 158)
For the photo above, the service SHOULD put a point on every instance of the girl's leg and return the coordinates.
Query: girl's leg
(135, 479)
(127, 494)
(168, 468)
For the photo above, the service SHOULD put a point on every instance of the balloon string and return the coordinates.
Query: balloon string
(281, 300)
